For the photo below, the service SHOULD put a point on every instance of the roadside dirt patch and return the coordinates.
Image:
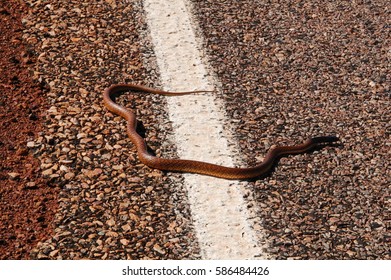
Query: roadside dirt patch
(27, 201)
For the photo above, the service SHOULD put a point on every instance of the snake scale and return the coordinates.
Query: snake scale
(192, 166)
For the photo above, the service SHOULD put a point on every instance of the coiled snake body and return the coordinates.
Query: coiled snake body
(192, 166)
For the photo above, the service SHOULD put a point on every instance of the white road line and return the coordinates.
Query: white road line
(219, 211)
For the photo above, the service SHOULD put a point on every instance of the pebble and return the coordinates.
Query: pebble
(31, 144)
(159, 249)
(31, 184)
(14, 175)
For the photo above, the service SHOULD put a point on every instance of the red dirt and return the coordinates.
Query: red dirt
(27, 201)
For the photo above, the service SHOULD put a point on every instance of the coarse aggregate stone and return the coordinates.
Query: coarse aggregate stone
(295, 69)
(111, 206)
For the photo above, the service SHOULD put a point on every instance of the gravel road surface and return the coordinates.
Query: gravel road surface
(289, 70)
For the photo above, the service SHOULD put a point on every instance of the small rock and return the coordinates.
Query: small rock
(124, 242)
(14, 175)
(110, 222)
(54, 253)
(159, 249)
(47, 172)
(126, 228)
(30, 184)
(31, 144)
(69, 175)
(118, 167)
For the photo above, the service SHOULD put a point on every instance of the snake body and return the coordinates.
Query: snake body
(193, 166)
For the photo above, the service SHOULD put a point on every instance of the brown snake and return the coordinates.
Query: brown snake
(192, 166)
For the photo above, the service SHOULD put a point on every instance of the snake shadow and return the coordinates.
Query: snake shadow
(276, 162)
(141, 130)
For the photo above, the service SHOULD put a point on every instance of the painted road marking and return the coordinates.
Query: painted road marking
(218, 208)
